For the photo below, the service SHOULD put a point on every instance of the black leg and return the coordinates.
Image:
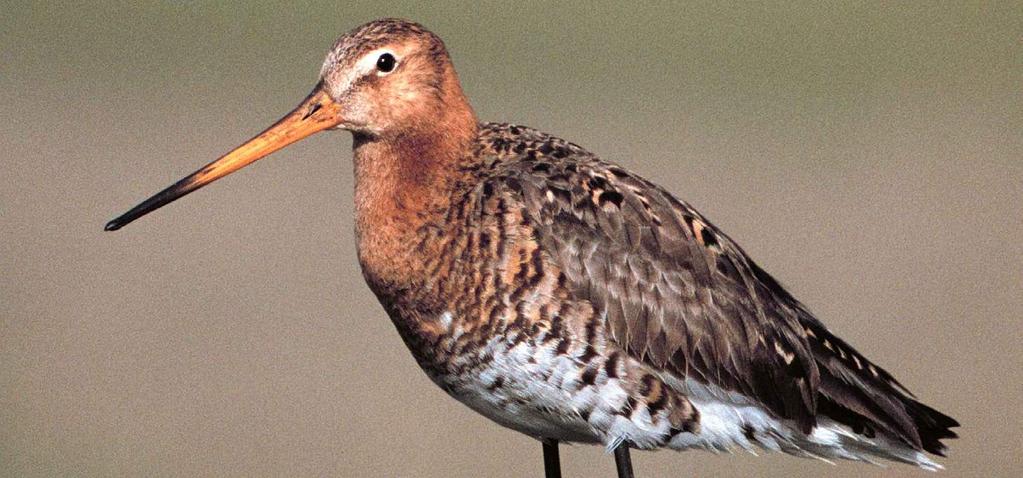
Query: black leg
(623, 461)
(551, 459)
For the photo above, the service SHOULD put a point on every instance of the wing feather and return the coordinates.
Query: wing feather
(650, 263)
(680, 295)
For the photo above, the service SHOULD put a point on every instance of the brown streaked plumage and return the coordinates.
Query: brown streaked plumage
(565, 297)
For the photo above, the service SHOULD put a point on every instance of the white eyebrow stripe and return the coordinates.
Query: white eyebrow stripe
(364, 66)
(369, 61)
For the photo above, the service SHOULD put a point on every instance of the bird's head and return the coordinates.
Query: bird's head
(389, 77)
(384, 80)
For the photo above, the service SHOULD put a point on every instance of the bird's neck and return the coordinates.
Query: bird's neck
(404, 186)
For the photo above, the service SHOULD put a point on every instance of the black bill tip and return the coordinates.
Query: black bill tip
(159, 200)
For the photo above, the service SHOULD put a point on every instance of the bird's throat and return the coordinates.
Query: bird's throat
(404, 187)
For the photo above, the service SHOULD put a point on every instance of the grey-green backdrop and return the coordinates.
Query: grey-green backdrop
(867, 154)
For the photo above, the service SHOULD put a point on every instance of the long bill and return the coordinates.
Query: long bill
(316, 113)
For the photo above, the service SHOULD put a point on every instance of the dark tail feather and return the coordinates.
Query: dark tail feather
(857, 393)
(866, 398)
(932, 425)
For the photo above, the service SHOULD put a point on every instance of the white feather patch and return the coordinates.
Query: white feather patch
(726, 419)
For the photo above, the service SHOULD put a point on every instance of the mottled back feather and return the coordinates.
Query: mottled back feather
(680, 295)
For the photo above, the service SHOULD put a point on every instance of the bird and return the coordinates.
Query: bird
(565, 297)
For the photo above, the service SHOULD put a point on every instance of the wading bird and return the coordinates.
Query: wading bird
(566, 297)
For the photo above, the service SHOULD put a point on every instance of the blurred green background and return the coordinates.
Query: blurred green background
(867, 154)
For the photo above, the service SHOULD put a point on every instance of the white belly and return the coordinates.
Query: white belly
(528, 387)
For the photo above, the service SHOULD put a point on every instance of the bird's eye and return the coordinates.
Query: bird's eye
(386, 63)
